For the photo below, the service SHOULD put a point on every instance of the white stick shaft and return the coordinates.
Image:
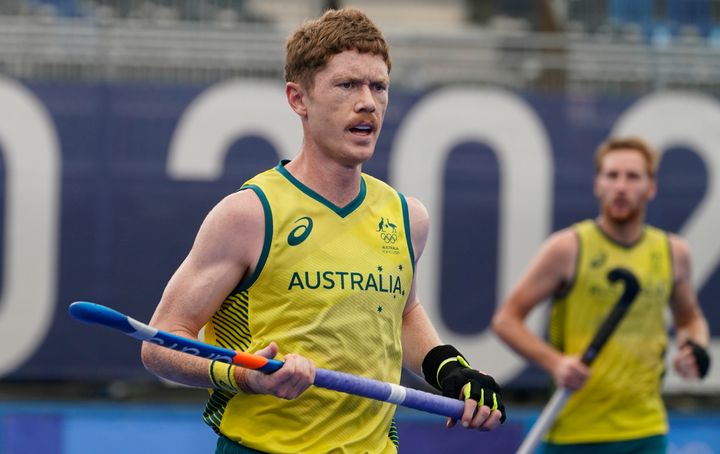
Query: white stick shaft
(544, 421)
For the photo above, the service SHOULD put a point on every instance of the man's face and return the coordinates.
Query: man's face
(346, 106)
(623, 186)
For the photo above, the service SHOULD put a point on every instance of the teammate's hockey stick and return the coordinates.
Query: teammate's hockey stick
(337, 381)
(557, 401)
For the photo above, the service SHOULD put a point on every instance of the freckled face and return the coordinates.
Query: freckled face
(346, 106)
(623, 186)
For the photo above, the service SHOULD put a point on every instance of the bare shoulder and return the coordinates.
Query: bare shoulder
(419, 220)
(237, 222)
(562, 245)
(225, 250)
(680, 256)
(239, 207)
(417, 211)
(557, 256)
(678, 246)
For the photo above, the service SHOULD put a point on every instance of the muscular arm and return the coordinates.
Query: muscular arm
(551, 269)
(419, 336)
(690, 323)
(418, 333)
(225, 250)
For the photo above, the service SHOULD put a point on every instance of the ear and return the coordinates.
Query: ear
(595, 186)
(652, 189)
(296, 98)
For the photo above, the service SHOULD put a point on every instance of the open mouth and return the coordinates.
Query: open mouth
(621, 203)
(363, 129)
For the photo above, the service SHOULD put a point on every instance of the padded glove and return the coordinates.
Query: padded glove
(448, 371)
(702, 358)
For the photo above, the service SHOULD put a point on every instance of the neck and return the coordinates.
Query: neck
(335, 182)
(627, 232)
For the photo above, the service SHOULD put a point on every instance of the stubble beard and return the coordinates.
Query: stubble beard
(623, 217)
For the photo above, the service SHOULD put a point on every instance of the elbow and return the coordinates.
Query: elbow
(498, 323)
(148, 356)
(504, 322)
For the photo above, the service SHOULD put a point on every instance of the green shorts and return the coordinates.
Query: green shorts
(227, 446)
(656, 444)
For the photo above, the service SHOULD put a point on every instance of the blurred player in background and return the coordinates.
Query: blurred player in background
(314, 261)
(617, 406)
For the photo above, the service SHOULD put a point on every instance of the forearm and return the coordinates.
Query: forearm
(524, 342)
(418, 338)
(175, 366)
(696, 330)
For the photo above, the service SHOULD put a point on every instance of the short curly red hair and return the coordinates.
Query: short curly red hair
(650, 154)
(311, 46)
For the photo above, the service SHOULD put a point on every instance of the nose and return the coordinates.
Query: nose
(365, 101)
(622, 183)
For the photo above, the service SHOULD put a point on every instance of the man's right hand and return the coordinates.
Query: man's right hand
(570, 373)
(288, 382)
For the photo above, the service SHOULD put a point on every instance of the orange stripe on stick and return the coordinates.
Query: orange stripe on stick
(249, 360)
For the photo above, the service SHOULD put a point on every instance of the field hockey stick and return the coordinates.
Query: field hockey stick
(334, 380)
(557, 401)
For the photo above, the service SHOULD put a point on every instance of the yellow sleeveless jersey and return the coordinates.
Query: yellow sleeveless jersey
(621, 400)
(331, 285)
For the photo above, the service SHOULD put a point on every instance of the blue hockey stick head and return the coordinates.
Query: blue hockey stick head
(87, 312)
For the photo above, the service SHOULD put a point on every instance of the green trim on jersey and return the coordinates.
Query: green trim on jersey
(342, 212)
(231, 328)
(408, 237)
(393, 434)
(227, 446)
(215, 407)
(266, 242)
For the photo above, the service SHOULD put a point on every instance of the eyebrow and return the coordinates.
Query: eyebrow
(347, 77)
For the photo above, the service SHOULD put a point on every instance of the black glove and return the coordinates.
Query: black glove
(448, 371)
(702, 359)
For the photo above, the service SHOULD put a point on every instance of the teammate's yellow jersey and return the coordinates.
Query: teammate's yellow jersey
(621, 400)
(331, 285)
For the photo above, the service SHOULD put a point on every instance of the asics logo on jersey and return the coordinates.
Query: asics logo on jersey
(301, 232)
(598, 260)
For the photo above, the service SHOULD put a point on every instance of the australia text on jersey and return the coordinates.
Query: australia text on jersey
(346, 280)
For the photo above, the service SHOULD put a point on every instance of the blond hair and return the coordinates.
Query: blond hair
(649, 153)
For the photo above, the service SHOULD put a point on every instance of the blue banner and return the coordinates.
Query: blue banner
(105, 185)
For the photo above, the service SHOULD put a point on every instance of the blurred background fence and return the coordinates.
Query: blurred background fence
(123, 121)
(610, 46)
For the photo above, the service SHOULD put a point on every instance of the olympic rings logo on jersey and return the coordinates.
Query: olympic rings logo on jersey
(389, 238)
(387, 230)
